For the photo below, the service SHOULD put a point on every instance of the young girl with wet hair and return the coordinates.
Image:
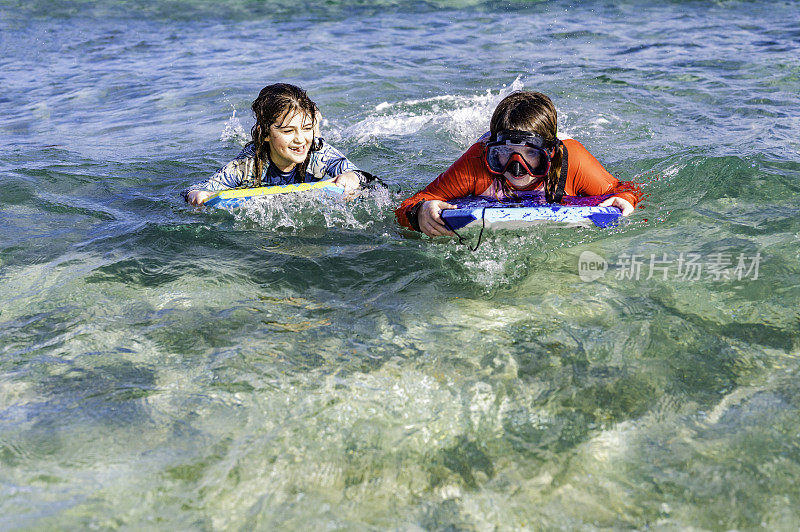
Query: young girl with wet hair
(521, 153)
(285, 148)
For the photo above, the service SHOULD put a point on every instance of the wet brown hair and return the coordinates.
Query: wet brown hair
(273, 105)
(535, 113)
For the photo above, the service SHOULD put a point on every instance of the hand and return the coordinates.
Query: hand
(197, 197)
(620, 203)
(348, 180)
(430, 220)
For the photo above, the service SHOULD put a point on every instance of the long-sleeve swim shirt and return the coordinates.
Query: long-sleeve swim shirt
(468, 176)
(324, 163)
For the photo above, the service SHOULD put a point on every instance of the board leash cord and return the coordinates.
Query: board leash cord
(461, 239)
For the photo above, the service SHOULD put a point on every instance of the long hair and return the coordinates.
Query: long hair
(274, 103)
(535, 113)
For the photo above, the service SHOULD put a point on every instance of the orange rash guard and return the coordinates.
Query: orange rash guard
(468, 176)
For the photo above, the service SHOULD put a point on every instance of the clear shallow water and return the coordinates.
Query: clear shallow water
(295, 365)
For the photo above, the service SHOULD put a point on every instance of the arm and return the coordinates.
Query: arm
(229, 176)
(422, 211)
(587, 177)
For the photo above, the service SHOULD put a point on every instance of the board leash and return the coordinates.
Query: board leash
(480, 235)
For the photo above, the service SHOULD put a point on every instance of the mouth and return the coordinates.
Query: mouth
(524, 181)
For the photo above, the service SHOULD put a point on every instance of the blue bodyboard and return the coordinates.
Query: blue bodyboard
(529, 210)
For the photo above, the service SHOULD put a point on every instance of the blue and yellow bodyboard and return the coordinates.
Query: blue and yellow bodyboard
(236, 197)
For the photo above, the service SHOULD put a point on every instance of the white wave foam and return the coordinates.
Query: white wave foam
(464, 118)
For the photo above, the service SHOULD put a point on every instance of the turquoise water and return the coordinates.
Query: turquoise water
(308, 364)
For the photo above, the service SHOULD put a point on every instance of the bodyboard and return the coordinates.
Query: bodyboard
(528, 210)
(236, 197)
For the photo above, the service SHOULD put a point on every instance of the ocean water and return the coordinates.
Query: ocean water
(309, 364)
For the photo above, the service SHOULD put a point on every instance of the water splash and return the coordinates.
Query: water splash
(234, 132)
(312, 210)
(463, 118)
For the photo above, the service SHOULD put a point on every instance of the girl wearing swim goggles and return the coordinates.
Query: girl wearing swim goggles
(520, 153)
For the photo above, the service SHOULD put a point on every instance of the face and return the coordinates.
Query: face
(290, 140)
(520, 153)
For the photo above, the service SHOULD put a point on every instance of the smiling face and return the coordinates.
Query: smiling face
(290, 140)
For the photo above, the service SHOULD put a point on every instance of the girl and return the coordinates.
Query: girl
(520, 153)
(285, 149)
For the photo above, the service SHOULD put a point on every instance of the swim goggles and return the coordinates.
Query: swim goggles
(519, 153)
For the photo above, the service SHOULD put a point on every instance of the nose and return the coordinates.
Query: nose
(516, 169)
(517, 166)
